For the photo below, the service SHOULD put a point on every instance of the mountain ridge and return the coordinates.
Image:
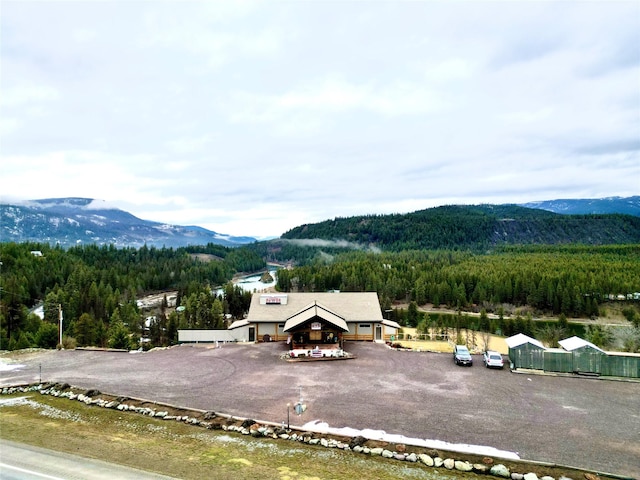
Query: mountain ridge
(72, 221)
(624, 205)
(473, 227)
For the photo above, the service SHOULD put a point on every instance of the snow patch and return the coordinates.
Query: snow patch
(322, 427)
(10, 367)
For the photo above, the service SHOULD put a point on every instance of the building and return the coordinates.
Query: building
(525, 352)
(586, 357)
(317, 323)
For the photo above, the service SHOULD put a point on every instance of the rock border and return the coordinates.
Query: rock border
(495, 467)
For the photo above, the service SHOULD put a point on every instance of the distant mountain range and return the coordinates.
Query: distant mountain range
(625, 205)
(77, 221)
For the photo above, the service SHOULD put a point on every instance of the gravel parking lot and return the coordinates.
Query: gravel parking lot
(583, 422)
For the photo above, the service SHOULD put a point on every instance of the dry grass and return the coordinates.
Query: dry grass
(416, 343)
(182, 451)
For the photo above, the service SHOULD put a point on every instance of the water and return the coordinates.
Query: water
(252, 283)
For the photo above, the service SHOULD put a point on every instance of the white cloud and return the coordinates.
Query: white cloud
(252, 118)
(26, 94)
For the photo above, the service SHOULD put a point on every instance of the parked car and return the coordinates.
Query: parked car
(492, 359)
(462, 356)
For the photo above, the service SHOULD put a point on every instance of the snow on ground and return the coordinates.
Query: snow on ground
(9, 367)
(322, 427)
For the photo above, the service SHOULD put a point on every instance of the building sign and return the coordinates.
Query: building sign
(273, 299)
(316, 326)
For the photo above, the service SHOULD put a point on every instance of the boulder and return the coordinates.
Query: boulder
(412, 457)
(357, 441)
(500, 471)
(449, 463)
(387, 453)
(463, 466)
(247, 423)
(437, 462)
(426, 459)
(480, 468)
(530, 476)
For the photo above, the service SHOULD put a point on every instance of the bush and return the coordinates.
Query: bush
(69, 343)
(47, 335)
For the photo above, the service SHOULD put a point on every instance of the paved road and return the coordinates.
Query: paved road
(25, 462)
(581, 422)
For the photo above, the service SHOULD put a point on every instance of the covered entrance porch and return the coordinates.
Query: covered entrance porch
(315, 332)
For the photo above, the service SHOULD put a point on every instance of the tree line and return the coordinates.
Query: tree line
(473, 227)
(96, 288)
(570, 280)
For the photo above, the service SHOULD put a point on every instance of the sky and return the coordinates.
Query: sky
(252, 118)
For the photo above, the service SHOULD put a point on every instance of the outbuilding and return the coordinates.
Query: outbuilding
(587, 358)
(525, 352)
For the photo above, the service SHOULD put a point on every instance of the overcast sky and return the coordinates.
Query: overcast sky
(251, 118)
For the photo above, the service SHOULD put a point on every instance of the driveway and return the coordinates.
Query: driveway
(581, 422)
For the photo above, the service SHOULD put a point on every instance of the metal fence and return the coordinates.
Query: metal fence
(583, 360)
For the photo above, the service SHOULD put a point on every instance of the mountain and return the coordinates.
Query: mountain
(73, 221)
(625, 205)
(471, 227)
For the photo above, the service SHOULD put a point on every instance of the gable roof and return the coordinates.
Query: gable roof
(350, 306)
(312, 311)
(573, 343)
(521, 339)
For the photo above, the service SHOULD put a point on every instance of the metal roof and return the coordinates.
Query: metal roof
(391, 323)
(238, 324)
(573, 343)
(312, 311)
(521, 339)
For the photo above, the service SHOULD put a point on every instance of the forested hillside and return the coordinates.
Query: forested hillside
(514, 282)
(473, 227)
(487, 258)
(97, 288)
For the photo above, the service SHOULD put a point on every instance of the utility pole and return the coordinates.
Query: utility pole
(60, 318)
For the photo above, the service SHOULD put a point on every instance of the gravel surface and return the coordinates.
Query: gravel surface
(583, 422)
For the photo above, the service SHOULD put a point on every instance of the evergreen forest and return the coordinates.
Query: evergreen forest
(96, 290)
(448, 257)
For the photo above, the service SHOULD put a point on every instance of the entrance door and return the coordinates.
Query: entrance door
(378, 333)
(252, 334)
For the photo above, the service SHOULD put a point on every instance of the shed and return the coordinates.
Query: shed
(525, 352)
(587, 358)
